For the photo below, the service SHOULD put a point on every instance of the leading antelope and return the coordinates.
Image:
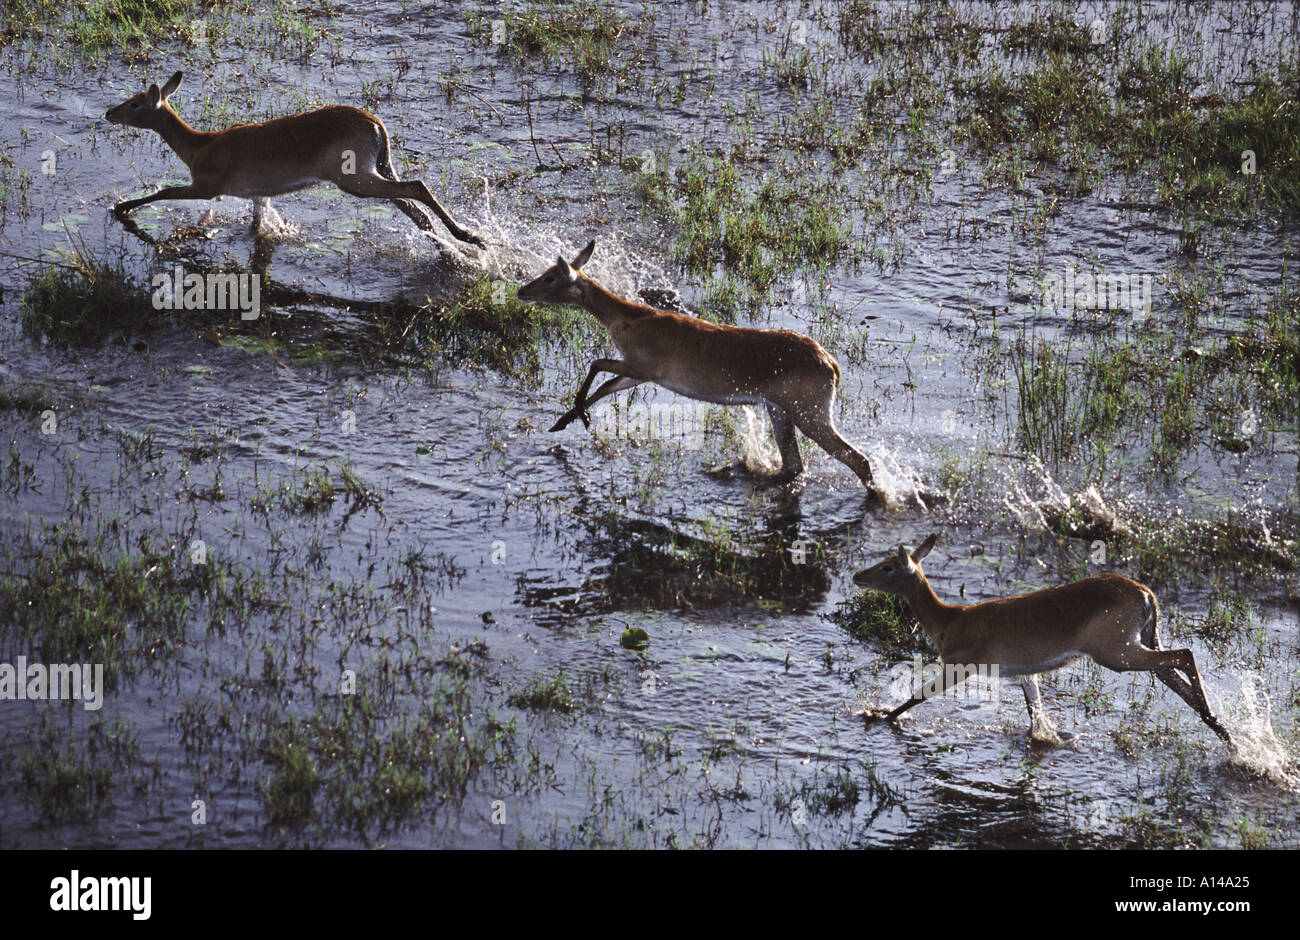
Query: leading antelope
(1109, 618)
(341, 145)
(789, 373)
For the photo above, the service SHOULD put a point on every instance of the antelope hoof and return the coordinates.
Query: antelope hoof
(122, 209)
(471, 238)
(872, 715)
(1048, 737)
(568, 417)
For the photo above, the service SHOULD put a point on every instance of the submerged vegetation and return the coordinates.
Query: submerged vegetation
(654, 566)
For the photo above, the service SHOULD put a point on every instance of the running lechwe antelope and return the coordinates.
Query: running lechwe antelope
(789, 373)
(341, 145)
(1109, 618)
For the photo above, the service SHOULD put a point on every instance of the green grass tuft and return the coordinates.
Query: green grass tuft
(84, 303)
(885, 621)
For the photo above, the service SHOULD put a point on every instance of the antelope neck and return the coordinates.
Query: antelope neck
(925, 604)
(182, 138)
(609, 308)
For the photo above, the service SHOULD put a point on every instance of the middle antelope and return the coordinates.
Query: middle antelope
(789, 373)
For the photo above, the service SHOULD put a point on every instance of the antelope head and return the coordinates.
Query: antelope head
(561, 282)
(144, 108)
(898, 573)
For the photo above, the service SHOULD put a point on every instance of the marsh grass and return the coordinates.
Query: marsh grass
(592, 38)
(757, 234)
(1148, 122)
(1270, 351)
(544, 694)
(72, 778)
(1253, 834)
(925, 34)
(1053, 33)
(102, 25)
(360, 765)
(29, 398)
(84, 302)
(1234, 541)
(885, 621)
(1070, 409)
(65, 786)
(486, 325)
(130, 27)
(314, 492)
(840, 791)
(1167, 392)
(15, 191)
(137, 30)
(1227, 619)
(76, 601)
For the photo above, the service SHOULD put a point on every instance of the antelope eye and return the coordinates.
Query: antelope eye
(135, 106)
(551, 279)
(888, 569)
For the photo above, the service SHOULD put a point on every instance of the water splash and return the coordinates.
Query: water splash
(1249, 720)
(1030, 509)
(270, 225)
(519, 249)
(897, 483)
(1039, 502)
(756, 455)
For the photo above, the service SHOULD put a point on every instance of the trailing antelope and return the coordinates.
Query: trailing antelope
(1109, 618)
(789, 373)
(341, 145)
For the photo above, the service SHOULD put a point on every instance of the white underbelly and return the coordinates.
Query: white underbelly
(735, 398)
(277, 187)
(1039, 664)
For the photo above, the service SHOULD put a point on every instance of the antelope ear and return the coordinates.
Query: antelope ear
(172, 84)
(902, 555)
(155, 96)
(584, 256)
(568, 273)
(924, 548)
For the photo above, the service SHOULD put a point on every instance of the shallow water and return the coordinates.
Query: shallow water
(745, 699)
